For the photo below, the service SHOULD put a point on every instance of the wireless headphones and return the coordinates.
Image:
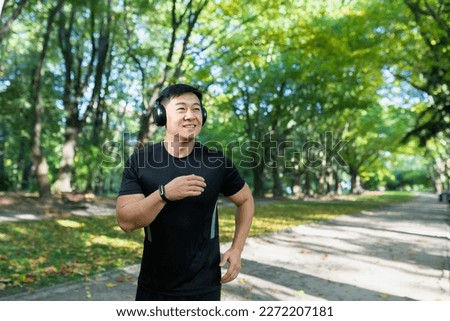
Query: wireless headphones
(159, 114)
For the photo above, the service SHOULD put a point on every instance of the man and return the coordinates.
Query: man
(171, 189)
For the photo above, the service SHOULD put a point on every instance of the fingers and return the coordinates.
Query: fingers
(233, 269)
(224, 259)
(231, 274)
(185, 186)
(194, 177)
(196, 181)
(194, 185)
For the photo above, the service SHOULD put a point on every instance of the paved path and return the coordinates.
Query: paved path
(401, 253)
(398, 254)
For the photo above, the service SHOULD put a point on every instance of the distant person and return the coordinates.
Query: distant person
(171, 190)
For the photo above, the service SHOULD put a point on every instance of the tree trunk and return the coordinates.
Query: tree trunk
(337, 183)
(355, 181)
(329, 181)
(4, 184)
(356, 187)
(76, 82)
(26, 175)
(322, 178)
(258, 181)
(297, 188)
(63, 183)
(22, 158)
(39, 159)
(352, 182)
(95, 182)
(277, 187)
(144, 129)
(307, 183)
(447, 173)
(439, 180)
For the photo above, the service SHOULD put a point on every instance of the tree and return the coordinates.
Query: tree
(85, 54)
(432, 73)
(280, 79)
(183, 19)
(39, 159)
(428, 24)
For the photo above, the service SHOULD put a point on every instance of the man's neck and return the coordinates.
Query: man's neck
(178, 148)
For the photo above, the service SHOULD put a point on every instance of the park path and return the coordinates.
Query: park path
(399, 253)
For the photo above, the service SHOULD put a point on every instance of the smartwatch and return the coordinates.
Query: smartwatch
(162, 193)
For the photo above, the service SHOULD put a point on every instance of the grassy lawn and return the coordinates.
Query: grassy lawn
(35, 254)
(388, 197)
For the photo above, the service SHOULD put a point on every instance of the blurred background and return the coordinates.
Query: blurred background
(309, 98)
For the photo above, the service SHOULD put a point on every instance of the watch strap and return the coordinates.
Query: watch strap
(162, 193)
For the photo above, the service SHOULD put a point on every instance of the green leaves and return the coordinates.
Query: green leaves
(295, 69)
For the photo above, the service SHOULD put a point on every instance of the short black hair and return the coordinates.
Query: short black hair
(177, 90)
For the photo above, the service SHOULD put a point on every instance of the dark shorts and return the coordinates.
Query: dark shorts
(143, 294)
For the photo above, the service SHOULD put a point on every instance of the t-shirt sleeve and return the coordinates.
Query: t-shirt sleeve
(233, 181)
(130, 179)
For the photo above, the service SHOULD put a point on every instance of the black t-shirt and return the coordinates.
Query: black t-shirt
(181, 246)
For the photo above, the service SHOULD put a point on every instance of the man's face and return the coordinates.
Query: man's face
(184, 117)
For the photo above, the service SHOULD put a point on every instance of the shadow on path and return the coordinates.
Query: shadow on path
(301, 284)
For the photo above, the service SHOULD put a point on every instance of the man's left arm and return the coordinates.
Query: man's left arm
(244, 216)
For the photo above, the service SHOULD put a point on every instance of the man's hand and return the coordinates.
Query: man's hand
(184, 186)
(232, 256)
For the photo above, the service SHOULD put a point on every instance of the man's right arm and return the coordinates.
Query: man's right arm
(136, 211)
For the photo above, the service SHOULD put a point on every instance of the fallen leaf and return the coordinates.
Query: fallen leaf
(50, 270)
(110, 284)
(299, 293)
(30, 278)
(120, 279)
(88, 292)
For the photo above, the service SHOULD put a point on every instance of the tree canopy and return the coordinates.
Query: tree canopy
(307, 97)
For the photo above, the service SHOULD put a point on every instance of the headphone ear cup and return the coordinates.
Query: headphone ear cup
(159, 114)
(204, 116)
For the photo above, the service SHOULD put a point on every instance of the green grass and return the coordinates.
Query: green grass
(35, 254)
(279, 215)
(390, 197)
(41, 253)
